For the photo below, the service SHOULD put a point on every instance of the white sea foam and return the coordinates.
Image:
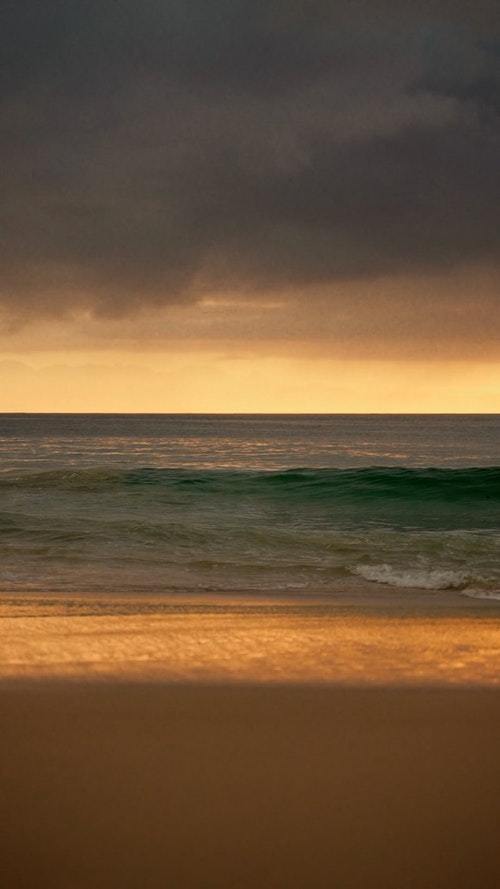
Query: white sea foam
(418, 578)
(482, 594)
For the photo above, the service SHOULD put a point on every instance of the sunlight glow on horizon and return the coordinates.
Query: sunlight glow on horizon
(218, 382)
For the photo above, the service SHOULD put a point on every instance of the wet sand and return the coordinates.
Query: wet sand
(415, 639)
(172, 785)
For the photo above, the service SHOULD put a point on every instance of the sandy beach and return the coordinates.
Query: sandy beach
(276, 746)
(277, 786)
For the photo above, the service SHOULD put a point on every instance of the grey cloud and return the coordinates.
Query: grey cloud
(154, 152)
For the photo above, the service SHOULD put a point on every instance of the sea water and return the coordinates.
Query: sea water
(166, 504)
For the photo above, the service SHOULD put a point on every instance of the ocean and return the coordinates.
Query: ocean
(257, 504)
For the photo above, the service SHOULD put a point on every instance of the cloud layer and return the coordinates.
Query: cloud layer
(155, 153)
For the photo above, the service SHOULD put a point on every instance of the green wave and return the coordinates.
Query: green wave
(376, 483)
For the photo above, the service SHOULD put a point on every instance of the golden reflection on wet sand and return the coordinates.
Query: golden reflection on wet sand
(251, 646)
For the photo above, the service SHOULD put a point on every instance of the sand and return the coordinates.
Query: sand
(445, 639)
(172, 785)
(150, 745)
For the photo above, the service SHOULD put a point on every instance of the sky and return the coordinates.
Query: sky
(239, 205)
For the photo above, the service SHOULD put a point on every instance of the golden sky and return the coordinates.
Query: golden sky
(223, 356)
(215, 382)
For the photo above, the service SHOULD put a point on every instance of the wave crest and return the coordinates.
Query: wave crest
(372, 483)
(413, 578)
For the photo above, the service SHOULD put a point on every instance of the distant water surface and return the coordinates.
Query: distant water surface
(172, 503)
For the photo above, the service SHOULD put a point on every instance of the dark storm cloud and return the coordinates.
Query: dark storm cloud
(151, 152)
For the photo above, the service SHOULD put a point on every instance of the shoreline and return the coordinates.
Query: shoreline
(365, 596)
